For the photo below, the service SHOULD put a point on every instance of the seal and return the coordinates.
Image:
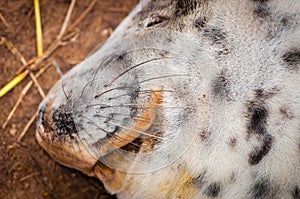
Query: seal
(186, 99)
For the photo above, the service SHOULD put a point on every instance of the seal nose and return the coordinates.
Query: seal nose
(63, 123)
(56, 122)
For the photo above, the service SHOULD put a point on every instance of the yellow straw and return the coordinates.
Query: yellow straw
(39, 41)
(10, 85)
(38, 28)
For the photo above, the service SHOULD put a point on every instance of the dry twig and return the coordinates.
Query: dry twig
(21, 76)
(84, 13)
(4, 22)
(22, 95)
(67, 20)
(29, 123)
(30, 176)
(57, 42)
(34, 63)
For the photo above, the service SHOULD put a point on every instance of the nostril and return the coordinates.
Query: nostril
(41, 116)
(63, 122)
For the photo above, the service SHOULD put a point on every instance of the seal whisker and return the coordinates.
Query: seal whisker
(115, 135)
(143, 81)
(104, 106)
(135, 66)
(159, 77)
(94, 76)
(142, 92)
(109, 90)
(98, 68)
(63, 88)
(154, 136)
(107, 117)
(137, 131)
(143, 119)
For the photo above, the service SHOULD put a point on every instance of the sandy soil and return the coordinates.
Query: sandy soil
(26, 171)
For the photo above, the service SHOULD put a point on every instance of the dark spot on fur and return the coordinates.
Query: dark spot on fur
(164, 53)
(261, 11)
(220, 86)
(111, 133)
(232, 142)
(121, 57)
(292, 60)
(232, 177)
(158, 135)
(204, 135)
(259, 153)
(216, 35)
(201, 22)
(262, 94)
(257, 114)
(261, 189)
(260, 1)
(284, 21)
(213, 190)
(223, 50)
(259, 93)
(286, 113)
(296, 193)
(185, 7)
(199, 180)
(133, 94)
(63, 122)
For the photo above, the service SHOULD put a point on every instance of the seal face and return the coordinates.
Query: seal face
(187, 99)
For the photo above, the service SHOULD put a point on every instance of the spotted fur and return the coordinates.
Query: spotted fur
(187, 99)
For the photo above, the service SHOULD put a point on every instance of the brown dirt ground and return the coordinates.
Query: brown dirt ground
(26, 171)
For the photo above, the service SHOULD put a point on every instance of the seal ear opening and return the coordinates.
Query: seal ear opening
(113, 180)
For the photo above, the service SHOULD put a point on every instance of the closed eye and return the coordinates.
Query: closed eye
(156, 19)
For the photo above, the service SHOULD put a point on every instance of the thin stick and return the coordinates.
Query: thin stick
(29, 123)
(15, 51)
(34, 63)
(67, 20)
(36, 83)
(62, 31)
(57, 68)
(13, 83)
(30, 176)
(22, 95)
(11, 113)
(4, 21)
(85, 12)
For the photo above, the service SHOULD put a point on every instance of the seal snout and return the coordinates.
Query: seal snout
(41, 114)
(56, 122)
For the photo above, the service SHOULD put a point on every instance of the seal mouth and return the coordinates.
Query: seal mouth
(65, 145)
(126, 136)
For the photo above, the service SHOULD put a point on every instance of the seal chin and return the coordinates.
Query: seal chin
(68, 155)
